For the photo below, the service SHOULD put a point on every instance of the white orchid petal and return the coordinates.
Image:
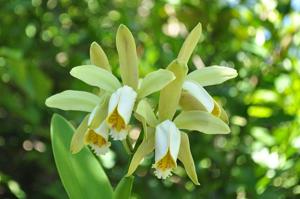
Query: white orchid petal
(103, 130)
(118, 135)
(197, 91)
(167, 137)
(126, 103)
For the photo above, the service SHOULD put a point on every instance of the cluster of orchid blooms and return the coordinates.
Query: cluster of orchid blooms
(111, 110)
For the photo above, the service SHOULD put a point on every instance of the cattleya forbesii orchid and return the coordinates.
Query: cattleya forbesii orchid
(164, 132)
(111, 110)
(199, 112)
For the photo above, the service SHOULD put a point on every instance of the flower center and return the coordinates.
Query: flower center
(116, 121)
(166, 162)
(93, 138)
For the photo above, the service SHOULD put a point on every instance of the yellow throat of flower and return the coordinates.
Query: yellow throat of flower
(116, 121)
(91, 137)
(166, 162)
(216, 111)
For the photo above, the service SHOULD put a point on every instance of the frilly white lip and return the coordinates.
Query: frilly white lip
(167, 143)
(100, 148)
(120, 110)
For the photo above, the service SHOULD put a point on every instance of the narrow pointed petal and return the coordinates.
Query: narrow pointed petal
(127, 57)
(189, 44)
(77, 141)
(98, 56)
(99, 113)
(185, 156)
(212, 75)
(146, 147)
(170, 94)
(154, 82)
(73, 100)
(96, 76)
(197, 91)
(224, 115)
(126, 103)
(201, 121)
(145, 111)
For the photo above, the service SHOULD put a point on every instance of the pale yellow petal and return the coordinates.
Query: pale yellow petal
(128, 59)
(185, 156)
(77, 141)
(146, 147)
(170, 95)
(98, 56)
(201, 121)
(99, 113)
(154, 82)
(212, 75)
(145, 111)
(189, 44)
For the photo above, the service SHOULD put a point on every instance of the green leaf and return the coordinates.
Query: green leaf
(154, 82)
(212, 75)
(81, 174)
(73, 100)
(185, 156)
(123, 189)
(127, 57)
(170, 95)
(96, 76)
(201, 121)
(189, 44)
(98, 56)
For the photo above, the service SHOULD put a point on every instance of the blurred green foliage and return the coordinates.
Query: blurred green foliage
(41, 40)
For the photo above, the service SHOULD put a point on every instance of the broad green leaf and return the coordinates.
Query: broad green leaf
(81, 174)
(145, 148)
(154, 82)
(127, 57)
(98, 56)
(144, 110)
(96, 76)
(99, 113)
(201, 121)
(170, 95)
(73, 100)
(77, 141)
(124, 187)
(189, 44)
(185, 156)
(212, 75)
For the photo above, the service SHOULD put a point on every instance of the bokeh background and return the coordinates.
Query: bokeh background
(40, 40)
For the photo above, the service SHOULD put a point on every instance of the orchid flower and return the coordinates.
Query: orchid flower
(200, 113)
(111, 112)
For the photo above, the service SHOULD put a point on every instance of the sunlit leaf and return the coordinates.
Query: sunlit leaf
(124, 187)
(81, 174)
